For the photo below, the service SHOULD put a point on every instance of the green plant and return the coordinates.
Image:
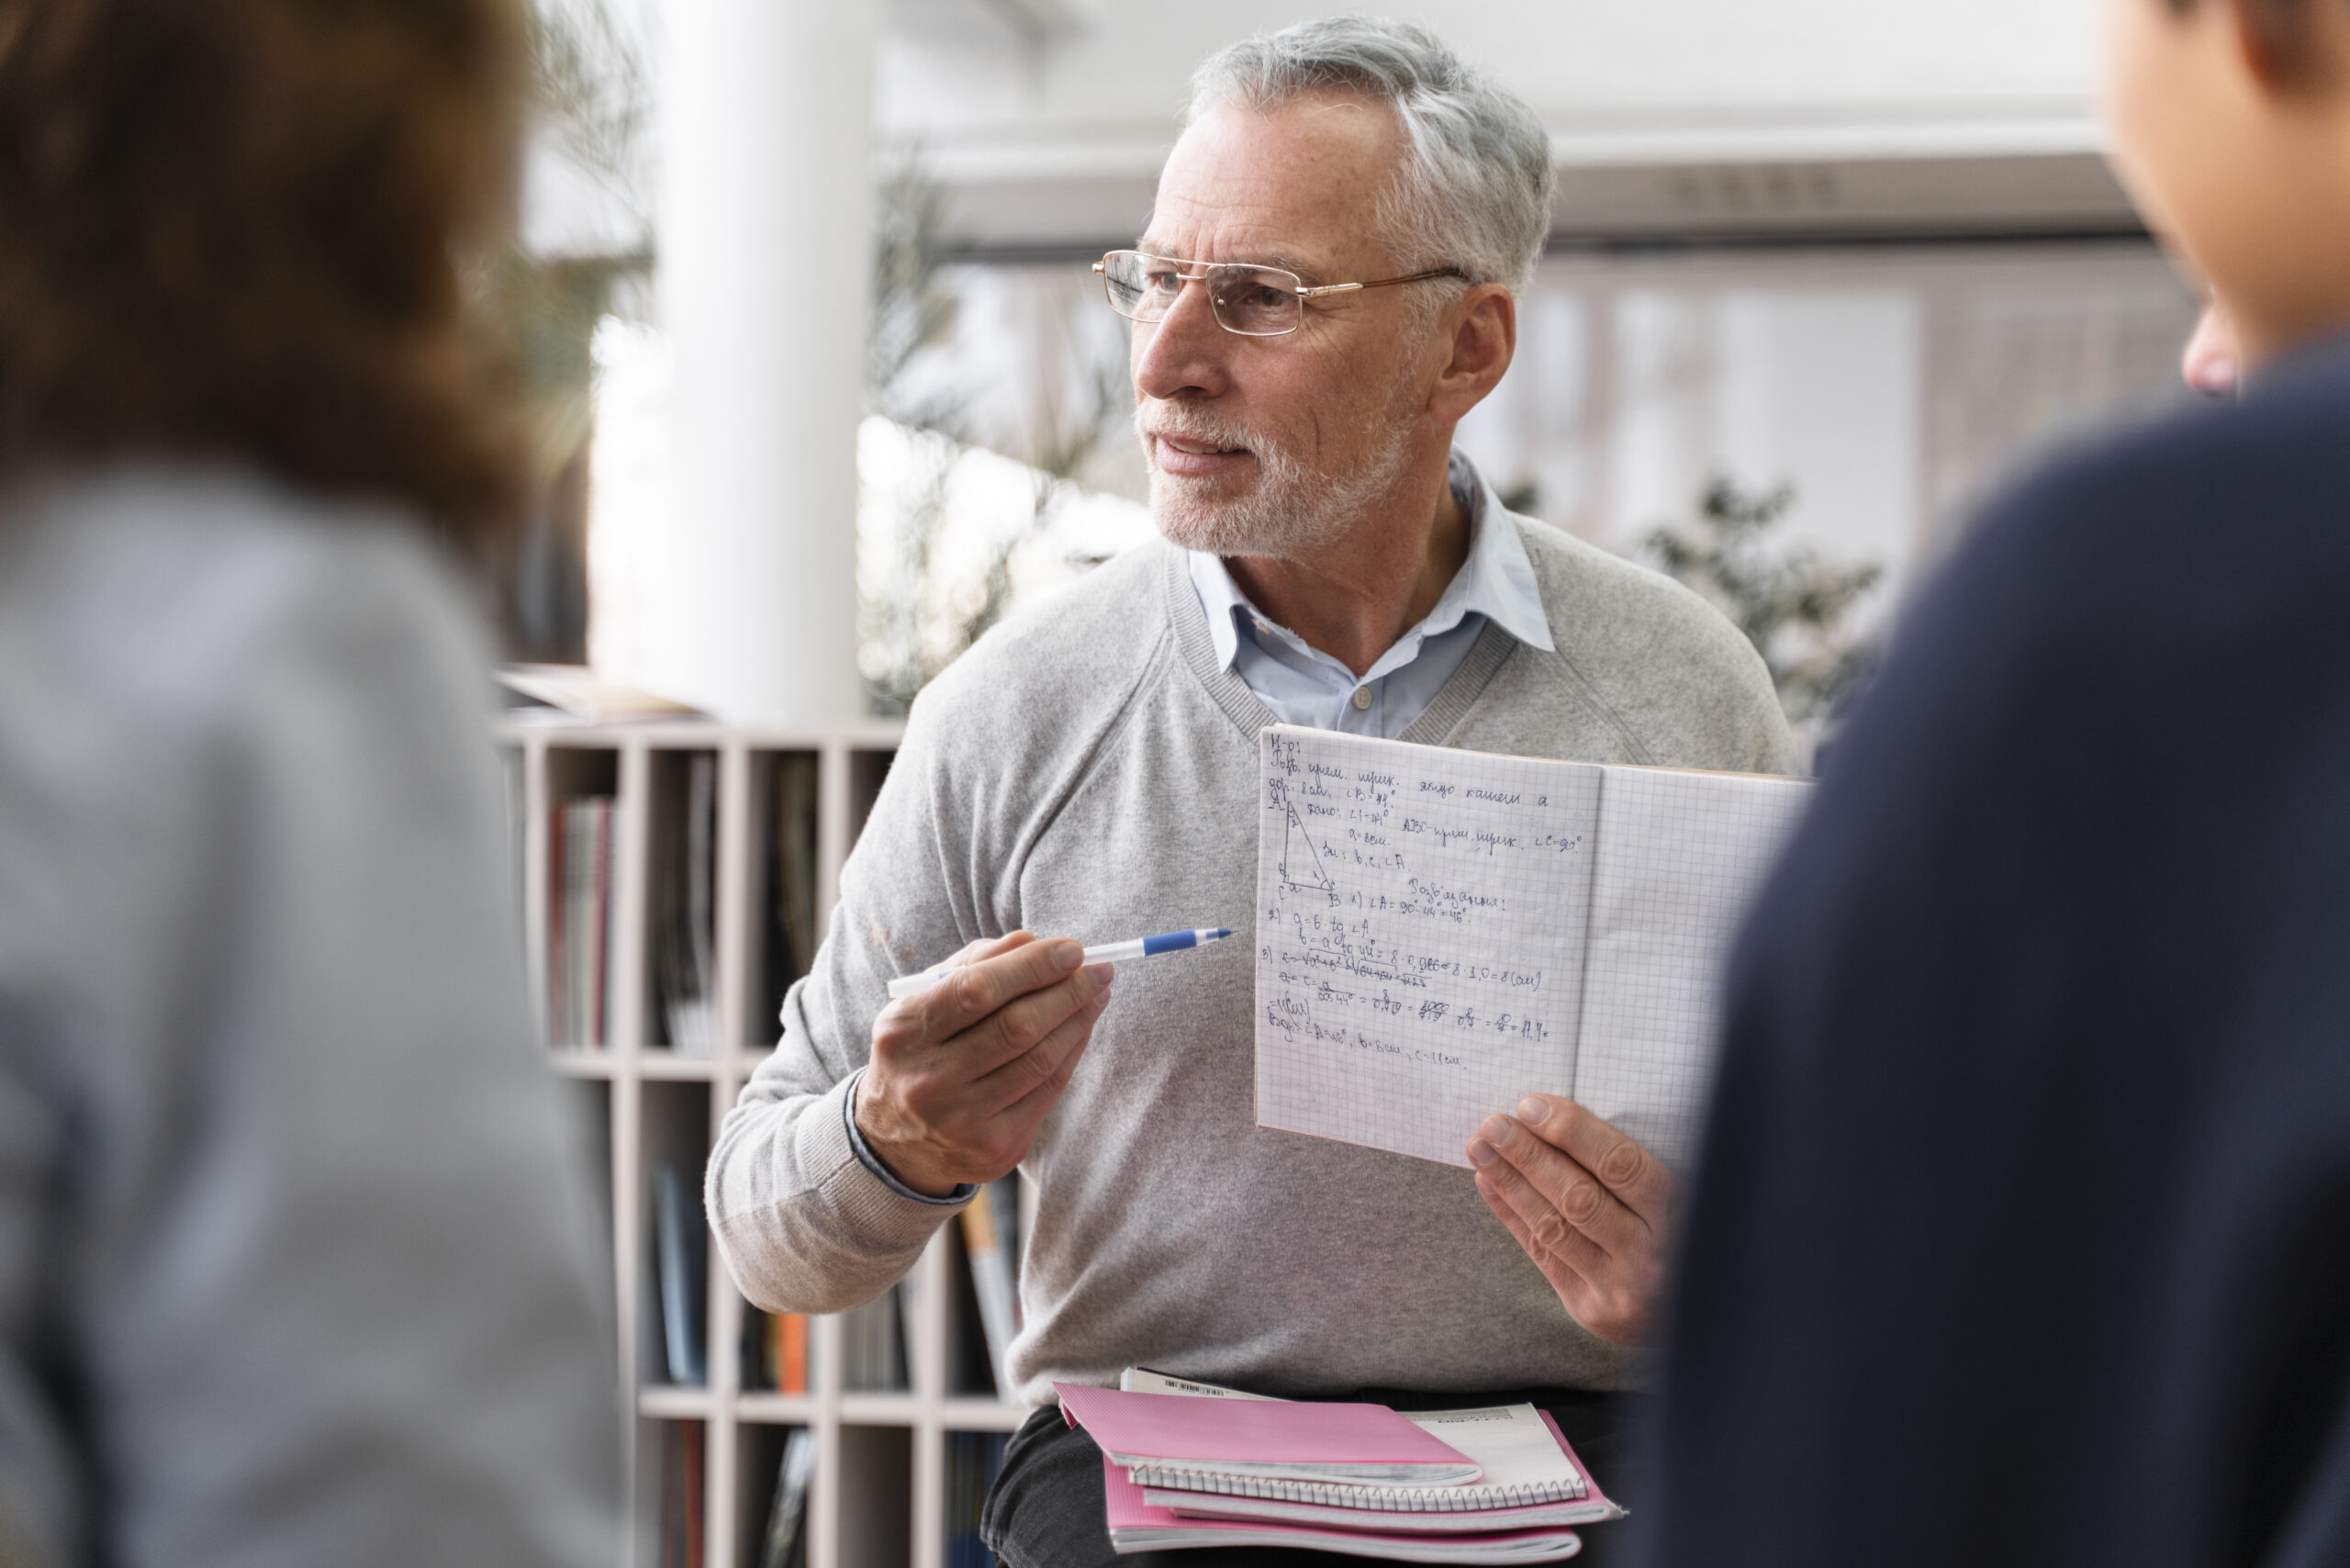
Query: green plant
(912, 310)
(912, 621)
(590, 101)
(1790, 602)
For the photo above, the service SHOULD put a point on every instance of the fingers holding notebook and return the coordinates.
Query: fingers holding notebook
(1588, 1204)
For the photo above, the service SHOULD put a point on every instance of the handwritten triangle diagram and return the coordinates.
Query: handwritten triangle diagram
(1301, 862)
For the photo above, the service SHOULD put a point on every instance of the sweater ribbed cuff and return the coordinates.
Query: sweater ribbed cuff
(872, 1162)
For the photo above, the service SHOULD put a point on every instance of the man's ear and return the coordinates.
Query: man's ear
(1483, 341)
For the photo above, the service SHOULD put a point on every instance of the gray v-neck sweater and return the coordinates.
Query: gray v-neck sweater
(1089, 770)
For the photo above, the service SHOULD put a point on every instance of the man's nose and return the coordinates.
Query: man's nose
(1186, 350)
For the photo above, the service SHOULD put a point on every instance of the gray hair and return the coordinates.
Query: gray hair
(1474, 190)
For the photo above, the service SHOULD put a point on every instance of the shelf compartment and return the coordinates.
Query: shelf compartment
(672, 1495)
(673, 1311)
(778, 1353)
(972, 1462)
(787, 916)
(682, 1012)
(773, 1464)
(876, 1472)
(581, 894)
(869, 769)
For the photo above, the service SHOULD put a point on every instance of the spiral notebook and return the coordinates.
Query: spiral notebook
(1136, 1525)
(1439, 931)
(1530, 1474)
(1140, 1527)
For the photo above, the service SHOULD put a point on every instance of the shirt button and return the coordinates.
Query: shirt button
(1362, 698)
(1262, 627)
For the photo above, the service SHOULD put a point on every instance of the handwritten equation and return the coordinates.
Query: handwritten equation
(1420, 934)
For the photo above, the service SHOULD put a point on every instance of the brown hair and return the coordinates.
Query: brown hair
(227, 228)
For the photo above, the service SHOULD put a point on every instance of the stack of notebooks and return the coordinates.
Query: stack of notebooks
(1190, 1464)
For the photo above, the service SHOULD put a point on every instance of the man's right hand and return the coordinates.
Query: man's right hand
(963, 1073)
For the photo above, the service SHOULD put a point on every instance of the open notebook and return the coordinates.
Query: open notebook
(1439, 931)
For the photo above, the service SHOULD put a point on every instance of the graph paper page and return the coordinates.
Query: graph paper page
(1420, 929)
(1681, 858)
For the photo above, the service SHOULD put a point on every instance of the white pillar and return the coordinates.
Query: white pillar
(765, 263)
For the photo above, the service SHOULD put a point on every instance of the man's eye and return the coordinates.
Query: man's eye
(1163, 282)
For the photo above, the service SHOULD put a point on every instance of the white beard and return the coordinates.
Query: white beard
(1293, 511)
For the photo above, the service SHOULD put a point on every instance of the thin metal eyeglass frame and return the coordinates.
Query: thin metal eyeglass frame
(1203, 271)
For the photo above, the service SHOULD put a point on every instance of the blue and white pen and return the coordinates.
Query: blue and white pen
(1108, 953)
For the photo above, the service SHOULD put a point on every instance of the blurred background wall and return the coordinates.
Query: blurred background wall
(1857, 256)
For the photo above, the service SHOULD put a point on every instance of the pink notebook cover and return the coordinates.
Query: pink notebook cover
(1235, 1431)
(1122, 1502)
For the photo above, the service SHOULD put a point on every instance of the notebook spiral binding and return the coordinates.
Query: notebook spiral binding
(1384, 1499)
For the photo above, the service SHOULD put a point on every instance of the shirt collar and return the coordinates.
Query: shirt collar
(1496, 580)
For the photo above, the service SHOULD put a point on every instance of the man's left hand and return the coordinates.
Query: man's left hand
(1589, 1206)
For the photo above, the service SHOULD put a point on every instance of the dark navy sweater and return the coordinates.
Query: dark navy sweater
(2022, 1233)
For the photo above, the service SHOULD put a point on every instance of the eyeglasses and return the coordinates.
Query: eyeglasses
(1254, 301)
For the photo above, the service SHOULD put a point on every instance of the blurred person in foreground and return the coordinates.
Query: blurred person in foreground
(2019, 1231)
(294, 1268)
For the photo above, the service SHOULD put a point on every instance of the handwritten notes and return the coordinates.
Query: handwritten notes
(1439, 931)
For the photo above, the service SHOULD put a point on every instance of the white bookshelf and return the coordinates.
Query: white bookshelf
(877, 1499)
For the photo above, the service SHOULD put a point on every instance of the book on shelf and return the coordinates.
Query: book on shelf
(579, 920)
(873, 1346)
(973, 1461)
(778, 1351)
(991, 1242)
(678, 1230)
(684, 916)
(785, 1542)
(971, 1371)
(965, 1371)
(681, 1495)
(795, 1354)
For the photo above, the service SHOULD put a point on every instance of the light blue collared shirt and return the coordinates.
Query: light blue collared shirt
(1303, 684)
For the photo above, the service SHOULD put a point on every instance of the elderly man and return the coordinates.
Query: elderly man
(1328, 285)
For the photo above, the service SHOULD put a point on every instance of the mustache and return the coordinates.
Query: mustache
(1198, 428)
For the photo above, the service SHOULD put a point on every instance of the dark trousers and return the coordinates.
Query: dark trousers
(1046, 1511)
